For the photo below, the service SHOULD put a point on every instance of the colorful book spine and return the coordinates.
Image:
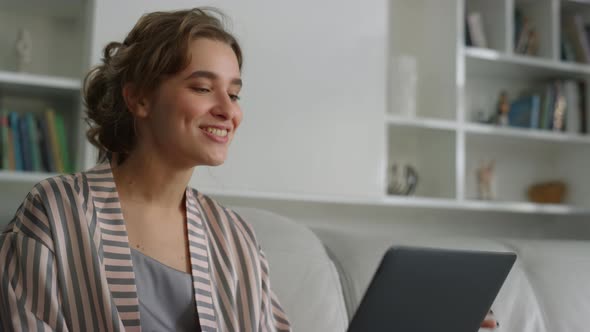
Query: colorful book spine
(35, 142)
(46, 150)
(25, 143)
(11, 154)
(7, 150)
(54, 140)
(18, 154)
(63, 147)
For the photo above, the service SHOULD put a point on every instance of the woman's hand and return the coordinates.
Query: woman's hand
(490, 321)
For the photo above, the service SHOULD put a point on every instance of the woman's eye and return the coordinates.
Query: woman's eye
(234, 97)
(201, 90)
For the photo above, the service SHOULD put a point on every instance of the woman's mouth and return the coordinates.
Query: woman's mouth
(216, 134)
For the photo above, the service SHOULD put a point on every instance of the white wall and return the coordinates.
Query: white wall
(314, 94)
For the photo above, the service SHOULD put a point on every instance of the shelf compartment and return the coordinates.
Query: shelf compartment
(57, 30)
(436, 71)
(431, 152)
(494, 21)
(543, 18)
(568, 31)
(520, 163)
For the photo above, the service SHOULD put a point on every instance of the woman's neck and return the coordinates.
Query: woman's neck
(145, 178)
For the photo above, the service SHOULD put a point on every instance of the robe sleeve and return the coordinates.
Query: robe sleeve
(273, 317)
(29, 295)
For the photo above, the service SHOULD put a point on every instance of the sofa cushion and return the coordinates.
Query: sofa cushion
(302, 275)
(558, 271)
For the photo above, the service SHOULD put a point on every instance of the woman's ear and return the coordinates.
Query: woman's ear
(136, 104)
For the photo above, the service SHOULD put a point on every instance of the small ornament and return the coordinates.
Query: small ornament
(24, 49)
(485, 178)
(503, 109)
(403, 180)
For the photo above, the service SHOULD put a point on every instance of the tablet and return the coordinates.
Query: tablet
(424, 289)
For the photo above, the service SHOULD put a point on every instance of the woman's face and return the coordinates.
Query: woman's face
(192, 117)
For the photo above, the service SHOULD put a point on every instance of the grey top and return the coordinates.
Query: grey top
(166, 296)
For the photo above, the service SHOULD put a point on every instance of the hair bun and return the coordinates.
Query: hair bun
(110, 50)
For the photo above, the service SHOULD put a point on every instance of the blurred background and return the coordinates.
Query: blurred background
(454, 116)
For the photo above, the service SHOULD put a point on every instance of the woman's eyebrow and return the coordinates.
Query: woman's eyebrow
(212, 76)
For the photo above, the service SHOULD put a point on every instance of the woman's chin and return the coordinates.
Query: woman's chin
(214, 160)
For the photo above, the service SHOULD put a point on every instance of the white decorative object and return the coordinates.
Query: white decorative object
(485, 181)
(403, 179)
(24, 49)
(404, 80)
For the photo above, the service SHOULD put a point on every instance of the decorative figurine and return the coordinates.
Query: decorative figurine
(402, 182)
(503, 109)
(485, 177)
(24, 49)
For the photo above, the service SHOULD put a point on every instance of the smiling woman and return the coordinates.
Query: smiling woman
(127, 245)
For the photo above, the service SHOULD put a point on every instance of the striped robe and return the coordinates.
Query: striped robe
(66, 264)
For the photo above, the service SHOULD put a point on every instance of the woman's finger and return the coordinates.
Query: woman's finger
(489, 323)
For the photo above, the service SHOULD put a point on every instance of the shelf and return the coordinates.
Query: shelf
(491, 62)
(429, 123)
(536, 134)
(407, 202)
(40, 81)
(24, 177)
(523, 207)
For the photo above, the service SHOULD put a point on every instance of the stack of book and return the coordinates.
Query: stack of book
(34, 142)
(575, 41)
(560, 107)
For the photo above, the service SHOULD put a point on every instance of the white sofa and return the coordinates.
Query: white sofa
(320, 274)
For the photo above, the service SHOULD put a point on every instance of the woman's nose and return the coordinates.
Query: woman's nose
(225, 107)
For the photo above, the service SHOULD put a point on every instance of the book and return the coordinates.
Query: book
(476, 30)
(576, 33)
(15, 130)
(63, 147)
(559, 107)
(25, 143)
(583, 104)
(54, 140)
(549, 112)
(524, 112)
(8, 162)
(46, 149)
(12, 153)
(567, 50)
(572, 107)
(35, 142)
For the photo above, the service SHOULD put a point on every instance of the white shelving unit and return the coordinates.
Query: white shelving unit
(52, 79)
(444, 142)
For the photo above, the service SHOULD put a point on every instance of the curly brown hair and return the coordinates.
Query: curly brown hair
(157, 47)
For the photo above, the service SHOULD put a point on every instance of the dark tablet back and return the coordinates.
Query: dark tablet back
(420, 289)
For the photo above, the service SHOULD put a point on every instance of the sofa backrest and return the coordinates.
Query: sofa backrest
(301, 273)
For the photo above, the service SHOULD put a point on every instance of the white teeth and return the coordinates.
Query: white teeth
(217, 132)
